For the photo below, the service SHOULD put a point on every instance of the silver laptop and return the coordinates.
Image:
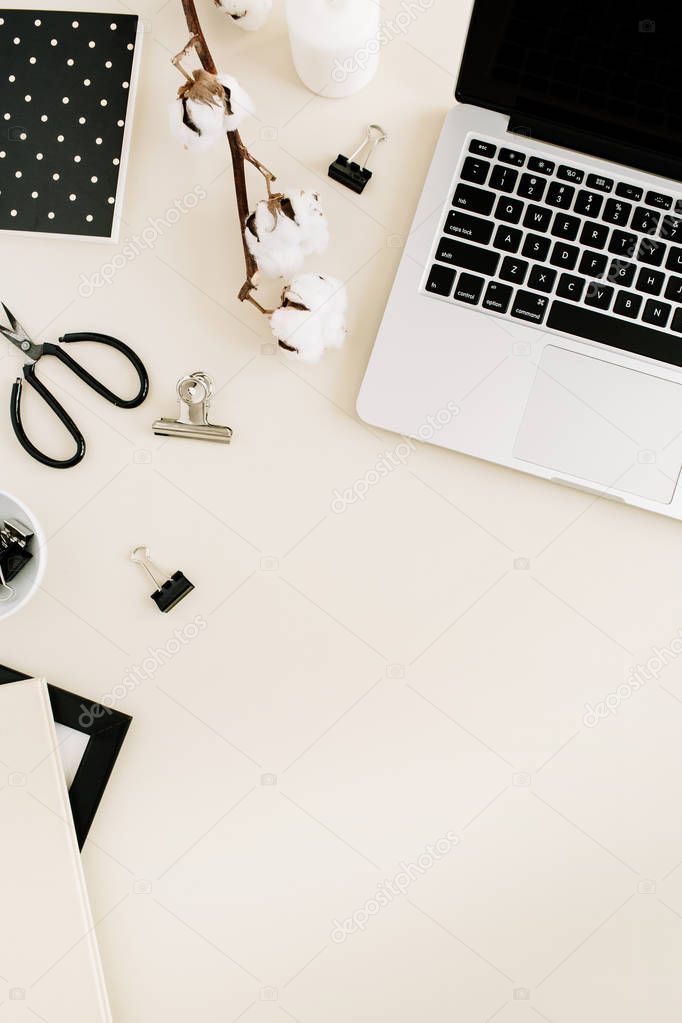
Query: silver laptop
(536, 317)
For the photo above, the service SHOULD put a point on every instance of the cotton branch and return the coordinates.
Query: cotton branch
(238, 151)
(283, 229)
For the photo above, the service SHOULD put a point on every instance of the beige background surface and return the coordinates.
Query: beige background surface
(363, 682)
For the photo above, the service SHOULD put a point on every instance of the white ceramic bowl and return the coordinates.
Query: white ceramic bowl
(28, 580)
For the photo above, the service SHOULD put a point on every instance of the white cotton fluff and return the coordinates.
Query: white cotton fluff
(207, 108)
(248, 15)
(282, 232)
(239, 101)
(312, 317)
(274, 241)
(311, 220)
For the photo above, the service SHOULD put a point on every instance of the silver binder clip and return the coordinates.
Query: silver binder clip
(195, 393)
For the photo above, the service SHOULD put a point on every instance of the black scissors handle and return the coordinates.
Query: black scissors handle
(93, 382)
(39, 387)
(15, 413)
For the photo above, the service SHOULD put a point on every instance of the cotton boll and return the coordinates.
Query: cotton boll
(248, 15)
(274, 240)
(310, 217)
(196, 125)
(283, 230)
(312, 317)
(206, 108)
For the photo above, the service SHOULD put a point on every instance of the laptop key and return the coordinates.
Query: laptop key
(503, 179)
(512, 156)
(570, 174)
(568, 318)
(565, 227)
(536, 247)
(650, 281)
(599, 295)
(509, 210)
(469, 257)
(570, 287)
(537, 218)
(540, 166)
(513, 270)
(671, 229)
(475, 200)
(594, 235)
(468, 289)
(622, 273)
(673, 290)
(617, 212)
(674, 260)
(593, 264)
(480, 148)
(497, 297)
(632, 192)
(599, 182)
(656, 312)
(473, 229)
(528, 306)
(531, 187)
(646, 221)
(560, 195)
(475, 170)
(588, 204)
(623, 244)
(507, 239)
(565, 256)
(628, 304)
(651, 252)
(677, 321)
(542, 278)
(441, 280)
(659, 200)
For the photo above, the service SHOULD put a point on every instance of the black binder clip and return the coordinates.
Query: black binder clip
(15, 539)
(168, 593)
(348, 171)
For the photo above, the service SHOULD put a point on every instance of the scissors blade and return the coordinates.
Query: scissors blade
(19, 336)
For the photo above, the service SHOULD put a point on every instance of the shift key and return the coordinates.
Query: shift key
(470, 257)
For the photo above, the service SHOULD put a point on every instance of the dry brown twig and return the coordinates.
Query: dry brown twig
(238, 151)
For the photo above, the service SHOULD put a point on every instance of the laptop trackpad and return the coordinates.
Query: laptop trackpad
(604, 424)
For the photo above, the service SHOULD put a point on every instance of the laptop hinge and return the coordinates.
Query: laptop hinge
(595, 145)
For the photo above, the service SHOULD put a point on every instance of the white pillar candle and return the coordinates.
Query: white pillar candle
(335, 43)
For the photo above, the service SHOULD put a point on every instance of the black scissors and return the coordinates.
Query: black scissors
(33, 352)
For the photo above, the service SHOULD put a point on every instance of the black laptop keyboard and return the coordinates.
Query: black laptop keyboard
(556, 246)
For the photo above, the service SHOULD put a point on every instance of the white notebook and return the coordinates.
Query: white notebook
(49, 961)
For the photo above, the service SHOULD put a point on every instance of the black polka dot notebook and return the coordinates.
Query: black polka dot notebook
(67, 90)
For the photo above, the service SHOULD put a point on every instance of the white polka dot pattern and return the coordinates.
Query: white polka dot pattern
(64, 92)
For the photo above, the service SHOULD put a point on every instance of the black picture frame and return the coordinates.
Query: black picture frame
(106, 729)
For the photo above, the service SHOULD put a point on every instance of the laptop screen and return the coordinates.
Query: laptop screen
(610, 69)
